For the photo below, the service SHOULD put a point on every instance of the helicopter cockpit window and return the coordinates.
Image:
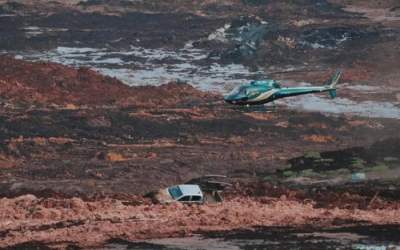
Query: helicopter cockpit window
(238, 90)
(252, 92)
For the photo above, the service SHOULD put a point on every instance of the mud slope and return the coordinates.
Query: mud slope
(48, 83)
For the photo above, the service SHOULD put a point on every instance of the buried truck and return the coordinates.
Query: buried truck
(182, 193)
(205, 189)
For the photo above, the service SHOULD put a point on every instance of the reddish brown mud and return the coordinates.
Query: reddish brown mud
(47, 84)
(78, 150)
(59, 222)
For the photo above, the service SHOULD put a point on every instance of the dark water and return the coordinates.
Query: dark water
(356, 237)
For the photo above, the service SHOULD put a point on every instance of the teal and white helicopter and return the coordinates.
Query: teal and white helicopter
(260, 92)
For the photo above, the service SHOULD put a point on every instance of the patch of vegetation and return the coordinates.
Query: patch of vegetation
(268, 178)
(325, 160)
(288, 166)
(357, 163)
(309, 173)
(343, 171)
(288, 173)
(338, 172)
(379, 168)
(312, 155)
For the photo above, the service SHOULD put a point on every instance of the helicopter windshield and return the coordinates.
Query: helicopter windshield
(238, 90)
(254, 87)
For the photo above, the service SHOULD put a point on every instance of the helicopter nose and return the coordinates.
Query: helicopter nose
(234, 99)
(230, 99)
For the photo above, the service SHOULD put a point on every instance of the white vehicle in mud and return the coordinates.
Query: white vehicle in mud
(200, 190)
(186, 193)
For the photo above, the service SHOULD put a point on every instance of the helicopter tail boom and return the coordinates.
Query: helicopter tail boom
(333, 82)
(335, 79)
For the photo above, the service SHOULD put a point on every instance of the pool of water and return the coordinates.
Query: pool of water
(139, 66)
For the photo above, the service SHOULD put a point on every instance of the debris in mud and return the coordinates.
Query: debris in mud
(332, 38)
(244, 36)
(357, 164)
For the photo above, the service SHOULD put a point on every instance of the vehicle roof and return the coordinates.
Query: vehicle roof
(188, 189)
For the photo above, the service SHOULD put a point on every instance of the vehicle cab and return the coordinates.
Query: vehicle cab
(186, 193)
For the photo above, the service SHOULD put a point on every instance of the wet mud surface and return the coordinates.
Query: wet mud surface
(88, 161)
(354, 237)
(104, 101)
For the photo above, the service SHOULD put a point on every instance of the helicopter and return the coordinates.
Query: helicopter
(264, 91)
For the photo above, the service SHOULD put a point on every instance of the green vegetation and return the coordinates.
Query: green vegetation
(287, 166)
(325, 160)
(343, 171)
(357, 163)
(288, 173)
(309, 173)
(268, 178)
(312, 155)
(380, 167)
(338, 172)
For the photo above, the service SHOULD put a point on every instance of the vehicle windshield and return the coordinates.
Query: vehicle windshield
(175, 192)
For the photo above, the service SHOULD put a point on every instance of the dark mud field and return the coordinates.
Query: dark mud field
(353, 237)
(104, 101)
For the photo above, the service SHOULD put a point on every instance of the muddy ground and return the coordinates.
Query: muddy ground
(88, 162)
(78, 150)
(130, 141)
